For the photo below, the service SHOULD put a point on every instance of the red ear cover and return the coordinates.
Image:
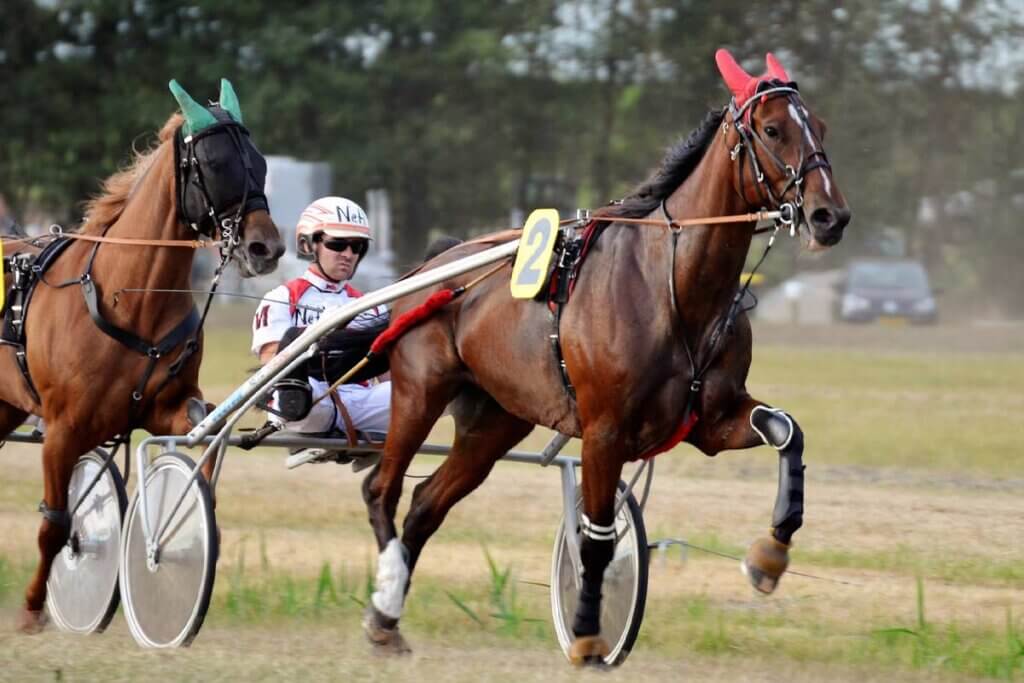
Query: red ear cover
(739, 82)
(775, 69)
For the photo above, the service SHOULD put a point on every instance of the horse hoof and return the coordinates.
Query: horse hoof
(383, 634)
(588, 651)
(31, 621)
(765, 563)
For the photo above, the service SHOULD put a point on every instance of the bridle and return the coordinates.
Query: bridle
(189, 175)
(745, 152)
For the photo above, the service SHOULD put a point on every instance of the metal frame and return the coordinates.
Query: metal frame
(566, 464)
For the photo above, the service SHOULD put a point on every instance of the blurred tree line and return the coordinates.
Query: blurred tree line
(461, 109)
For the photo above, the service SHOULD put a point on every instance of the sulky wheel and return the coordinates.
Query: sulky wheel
(82, 591)
(166, 593)
(625, 583)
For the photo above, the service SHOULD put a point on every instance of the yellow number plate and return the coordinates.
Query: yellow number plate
(534, 256)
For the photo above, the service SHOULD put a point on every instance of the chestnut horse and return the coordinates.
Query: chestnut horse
(91, 385)
(650, 335)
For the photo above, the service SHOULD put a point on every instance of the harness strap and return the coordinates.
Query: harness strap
(180, 332)
(556, 346)
(22, 360)
(28, 270)
(350, 426)
(563, 281)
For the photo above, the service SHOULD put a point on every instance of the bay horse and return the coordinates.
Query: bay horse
(204, 176)
(652, 339)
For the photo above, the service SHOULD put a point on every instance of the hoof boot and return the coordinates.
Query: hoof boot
(765, 563)
(588, 651)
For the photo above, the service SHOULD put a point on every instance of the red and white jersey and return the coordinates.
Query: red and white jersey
(300, 303)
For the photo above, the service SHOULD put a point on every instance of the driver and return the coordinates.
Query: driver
(333, 233)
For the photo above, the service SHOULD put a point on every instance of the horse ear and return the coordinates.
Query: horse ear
(197, 117)
(733, 74)
(229, 100)
(775, 69)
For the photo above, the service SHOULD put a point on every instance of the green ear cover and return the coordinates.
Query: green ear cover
(197, 117)
(229, 100)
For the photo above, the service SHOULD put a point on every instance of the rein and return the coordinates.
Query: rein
(58, 232)
(137, 242)
(784, 215)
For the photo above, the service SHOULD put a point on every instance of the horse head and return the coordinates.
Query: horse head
(220, 177)
(778, 148)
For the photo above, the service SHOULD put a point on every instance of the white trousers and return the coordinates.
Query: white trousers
(369, 407)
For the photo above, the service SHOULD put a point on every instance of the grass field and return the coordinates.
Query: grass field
(914, 530)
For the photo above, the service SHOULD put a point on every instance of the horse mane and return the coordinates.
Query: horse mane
(105, 208)
(679, 162)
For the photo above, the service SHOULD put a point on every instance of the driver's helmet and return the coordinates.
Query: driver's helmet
(331, 217)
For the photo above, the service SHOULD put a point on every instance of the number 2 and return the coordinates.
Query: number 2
(538, 237)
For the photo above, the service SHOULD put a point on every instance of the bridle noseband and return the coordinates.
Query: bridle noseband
(750, 141)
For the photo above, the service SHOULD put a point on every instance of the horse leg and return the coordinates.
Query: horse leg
(484, 432)
(601, 468)
(60, 452)
(413, 414)
(10, 418)
(750, 424)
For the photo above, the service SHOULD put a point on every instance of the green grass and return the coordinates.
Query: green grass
(340, 594)
(944, 411)
(695, 623)
(939, 566)
(8, 584)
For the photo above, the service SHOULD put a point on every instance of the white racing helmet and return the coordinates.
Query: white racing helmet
(330, 217)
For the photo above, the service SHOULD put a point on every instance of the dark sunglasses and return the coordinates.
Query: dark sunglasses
(340, 244)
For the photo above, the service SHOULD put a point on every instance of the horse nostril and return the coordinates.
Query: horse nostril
(823, 218)
(258, 251)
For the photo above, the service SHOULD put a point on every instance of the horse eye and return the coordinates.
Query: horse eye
(771, 131)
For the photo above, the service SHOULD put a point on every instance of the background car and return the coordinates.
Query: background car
(885, 290)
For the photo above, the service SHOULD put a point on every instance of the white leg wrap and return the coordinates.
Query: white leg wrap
(392, 575)
(596, 532)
